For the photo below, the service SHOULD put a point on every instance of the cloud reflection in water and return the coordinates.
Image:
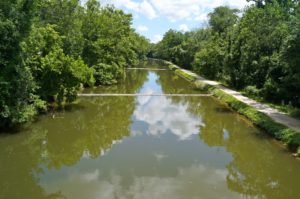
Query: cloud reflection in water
(196, 181)
(163, 116)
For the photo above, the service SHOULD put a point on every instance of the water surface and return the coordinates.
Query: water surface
(145, 147)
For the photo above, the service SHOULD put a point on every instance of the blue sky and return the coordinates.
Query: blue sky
(152, 18)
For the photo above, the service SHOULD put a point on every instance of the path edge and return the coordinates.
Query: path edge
(288, 136)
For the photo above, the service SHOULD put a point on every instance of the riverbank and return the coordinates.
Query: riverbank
(277, 124)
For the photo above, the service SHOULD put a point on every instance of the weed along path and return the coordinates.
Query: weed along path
(154, 135)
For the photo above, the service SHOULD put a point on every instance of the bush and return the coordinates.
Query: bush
(106, 74)
(252, 91)
(58, 76)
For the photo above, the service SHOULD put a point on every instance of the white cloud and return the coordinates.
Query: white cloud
(178, 9)
(184, 28)
(142, 28)
(156, 39)
(143, 7)
(201, 17)
(146, 8)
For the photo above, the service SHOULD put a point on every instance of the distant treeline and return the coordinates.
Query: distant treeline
(258, 52)
(50, 48)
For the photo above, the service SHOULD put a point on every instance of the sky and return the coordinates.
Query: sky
(152, 18)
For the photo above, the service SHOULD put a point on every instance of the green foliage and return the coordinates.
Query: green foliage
(50, 48)
(18, 103)
(290, 84)
(222, 18)
(105, 74)
(57, 75)
(109, 42)
(255, 46)
(66, 15)
(288, 136)
(179, 47)
(62, 76)
(258, 53)
(252, 91)
(209, 60)
(185, 75)
(172, 66)
(280, 132)
(166, 49)
(140, 45)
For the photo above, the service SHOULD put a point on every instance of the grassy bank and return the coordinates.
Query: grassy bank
(288, 136)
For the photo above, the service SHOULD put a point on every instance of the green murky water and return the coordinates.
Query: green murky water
(145, 147)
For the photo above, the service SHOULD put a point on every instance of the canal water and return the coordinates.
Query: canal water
(145, 147)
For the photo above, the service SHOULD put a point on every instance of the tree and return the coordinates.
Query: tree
(282, 3)
(209, 61)
(166, 48)
(286, 76)
(255, 46)
(57, 75)
(222, 18)
(140, 45)
(18, 103)
(66, 15)
(49, 48)
(257, 53)
(108, 46)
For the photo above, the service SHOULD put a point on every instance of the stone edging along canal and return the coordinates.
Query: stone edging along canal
(275, 123)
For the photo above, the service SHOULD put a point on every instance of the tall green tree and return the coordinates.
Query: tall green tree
(66, 15)
(284, 79)
(259, 38)
(50, 48)
(222, 18)
(257, 53)
(168, 47)
(17, 100)
(210, 59)
(107, 47)
(58, 76)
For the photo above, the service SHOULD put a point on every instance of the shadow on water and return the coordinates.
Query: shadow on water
(223, 110)
(145, 147)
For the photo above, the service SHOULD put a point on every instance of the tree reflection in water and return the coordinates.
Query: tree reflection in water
(62, 139)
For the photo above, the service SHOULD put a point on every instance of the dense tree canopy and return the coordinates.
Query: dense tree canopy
(49, 49)
(257, 53)
(17, 99)
(222, 18)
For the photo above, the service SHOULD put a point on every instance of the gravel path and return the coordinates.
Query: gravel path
(276, 115)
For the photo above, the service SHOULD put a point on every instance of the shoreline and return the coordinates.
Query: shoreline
(277, 124)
